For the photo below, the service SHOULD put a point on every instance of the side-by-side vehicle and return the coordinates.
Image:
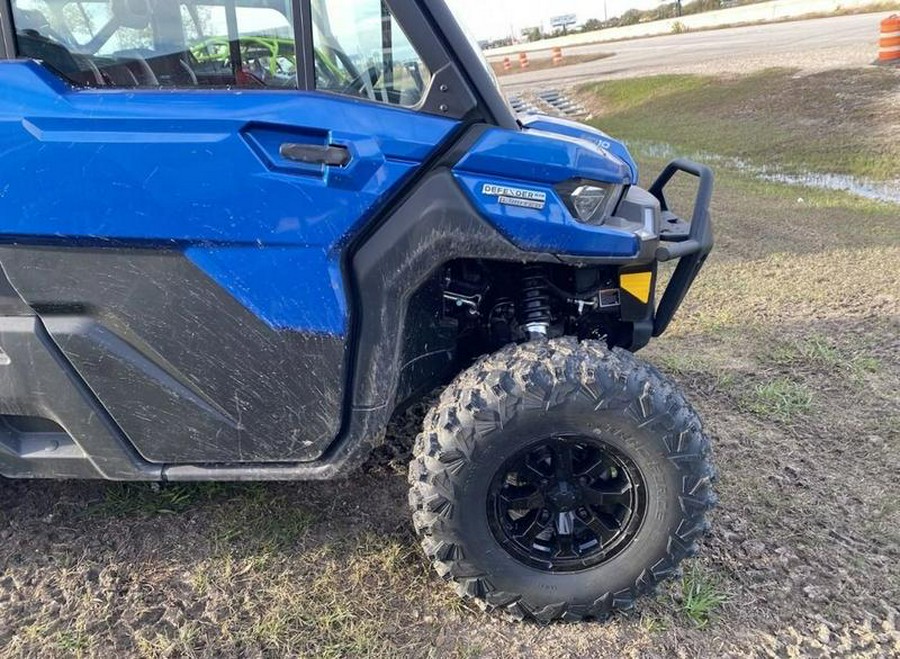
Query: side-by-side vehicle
(238, 236)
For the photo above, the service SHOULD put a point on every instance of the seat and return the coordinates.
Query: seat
(37, 40)
(163, 66)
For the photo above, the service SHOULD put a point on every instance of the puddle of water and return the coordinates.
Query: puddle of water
(654, 149)
(874, 190)
(889, 192)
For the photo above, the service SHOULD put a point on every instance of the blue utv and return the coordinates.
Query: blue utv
(228, 260)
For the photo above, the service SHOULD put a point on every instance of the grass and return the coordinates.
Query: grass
(275, 525)
(265, 521)
(816, 350)
(73, 642)
(184, 644)
(782, 399)
(701, 597)
(836, 121)
(819, 352)
(127, 499)
(801, 198)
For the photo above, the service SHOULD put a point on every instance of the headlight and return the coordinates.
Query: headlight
(590, 202)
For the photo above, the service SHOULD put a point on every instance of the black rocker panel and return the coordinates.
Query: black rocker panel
(187, 372)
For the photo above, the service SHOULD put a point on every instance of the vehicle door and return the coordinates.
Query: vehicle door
(180, 183)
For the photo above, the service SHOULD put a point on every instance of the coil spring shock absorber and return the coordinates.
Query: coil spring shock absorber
(534, 302)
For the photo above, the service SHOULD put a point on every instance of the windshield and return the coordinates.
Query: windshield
(471, 58)
(482, 60)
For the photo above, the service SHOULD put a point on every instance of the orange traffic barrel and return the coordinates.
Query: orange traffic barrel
(523, 60)
(557, 56)
(889, 45)
(507, 65)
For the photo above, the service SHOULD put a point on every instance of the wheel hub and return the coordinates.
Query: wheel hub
(566, 503)
(564, 497)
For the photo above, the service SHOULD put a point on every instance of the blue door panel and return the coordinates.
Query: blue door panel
(309, 293)
(201, 168)
(135, 179)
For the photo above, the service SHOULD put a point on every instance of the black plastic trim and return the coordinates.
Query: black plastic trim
(303, 45)
(446, 155)
(189, 377)
(436, 225)
(692, 253)
(38, 381)
(11, 303)
(448, 94)
(7, 36)
(316, 154)
(470, 62)
(700, 238)
(637, 317)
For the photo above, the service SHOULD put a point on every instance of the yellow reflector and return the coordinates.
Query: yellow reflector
(637, 284)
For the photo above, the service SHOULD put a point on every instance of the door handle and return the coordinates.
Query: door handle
(316, 154)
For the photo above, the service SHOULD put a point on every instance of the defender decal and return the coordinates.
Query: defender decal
(516, 196)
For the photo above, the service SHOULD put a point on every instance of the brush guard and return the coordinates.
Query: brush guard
(687, 242)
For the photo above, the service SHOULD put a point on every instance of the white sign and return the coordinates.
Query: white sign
(564, 21)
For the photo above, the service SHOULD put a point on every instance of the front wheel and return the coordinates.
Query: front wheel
(560, 480)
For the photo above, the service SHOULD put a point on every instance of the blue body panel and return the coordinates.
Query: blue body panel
(199, 274)
(587, 133)
(302, 287)
(541, 158)
(199, 171)
(551, 229)
(536, 161)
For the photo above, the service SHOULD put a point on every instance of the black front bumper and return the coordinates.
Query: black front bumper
(687, 242)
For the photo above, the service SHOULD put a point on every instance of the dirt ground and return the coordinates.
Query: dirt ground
(789, 346)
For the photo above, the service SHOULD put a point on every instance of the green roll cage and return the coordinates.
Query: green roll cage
(218, 49)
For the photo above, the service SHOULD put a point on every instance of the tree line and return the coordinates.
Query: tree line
(665, 10)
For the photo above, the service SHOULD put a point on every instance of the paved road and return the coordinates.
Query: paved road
(813, 44)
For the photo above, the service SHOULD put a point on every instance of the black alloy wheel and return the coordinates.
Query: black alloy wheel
(566, 503)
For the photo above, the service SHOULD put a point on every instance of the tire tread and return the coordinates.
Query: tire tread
(541, 375)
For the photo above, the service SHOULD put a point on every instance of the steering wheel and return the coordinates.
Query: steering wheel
(360, 83)
(363, 84)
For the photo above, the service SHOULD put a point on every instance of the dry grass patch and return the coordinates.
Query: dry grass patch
(842, 121)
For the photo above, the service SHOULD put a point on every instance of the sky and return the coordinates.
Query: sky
(493, 19)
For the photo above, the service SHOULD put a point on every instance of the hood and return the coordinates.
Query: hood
(580, 131)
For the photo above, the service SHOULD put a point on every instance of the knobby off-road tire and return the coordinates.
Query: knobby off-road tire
(513, 400)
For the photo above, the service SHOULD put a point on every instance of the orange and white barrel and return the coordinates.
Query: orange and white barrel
(889, 44)
(557, 56)
(523, 60)
(507, 64)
